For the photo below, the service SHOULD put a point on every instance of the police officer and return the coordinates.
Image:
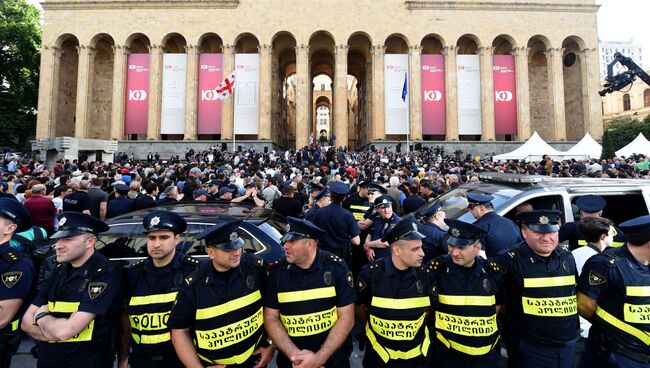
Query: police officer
(121, 204)
(614, 294)
(358, 202)
(309, 309)
(540, 285)
(394, 302)
(151, 288)
(17, 275)
(589, 206)
(374, 247)
(217, 318)
(499, 233)
(339, 225)
(76, 312)
(433, 227)
(321, 200)
(467, 298)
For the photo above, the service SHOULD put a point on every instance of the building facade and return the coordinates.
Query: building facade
(630, 48)
(489, 70)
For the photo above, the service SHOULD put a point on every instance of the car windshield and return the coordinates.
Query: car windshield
(270, 231)
(455, 202)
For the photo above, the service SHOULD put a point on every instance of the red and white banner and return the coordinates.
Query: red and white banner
(209, 103)
(174, 76)
(137, 94)
(434, 110)
(247, 107)
(468, 77)
(505, 94)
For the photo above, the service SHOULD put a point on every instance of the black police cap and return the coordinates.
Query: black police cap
(339, 188)
(13, 210)
(164, 220)
(224, 235)
(474, 199)
(375, 187)
(76, 223)
(405, 229)
(430, 210)
(383, 201)
(462, 234)
(541, 221)
(637, 230)
(591, 203)
(301, 229)
(323, 193)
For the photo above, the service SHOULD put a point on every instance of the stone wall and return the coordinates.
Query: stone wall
(540, 111)
(573, 101)
(67, 92)
(99, 126)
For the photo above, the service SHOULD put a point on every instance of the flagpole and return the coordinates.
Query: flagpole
(408, 123)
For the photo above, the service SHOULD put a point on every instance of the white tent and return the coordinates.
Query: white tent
(586, 149)
(640, 145)
(532, 150)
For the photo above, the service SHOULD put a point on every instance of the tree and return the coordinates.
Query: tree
(20, 40)
(619, 132)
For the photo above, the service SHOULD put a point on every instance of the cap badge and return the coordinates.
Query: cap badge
(415, 227)
(62, 221)
(543, 220)
(455, 233)
(154, 221)
(233, 236)
(288, 227)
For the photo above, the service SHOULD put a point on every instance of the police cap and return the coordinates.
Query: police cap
(122, 188)
(339, 188)
(591, 203)
(164, 220)
(474, 199)
(224, 235)
(384, 201)
(13, 210)
(541, 221)
(200, 192)
(300, 229)
(75, 223)
(462, 234)
(431, 210)
(637, 230)
(323, 193)
(375, 187)
(405, 229)
(364, 184)
(315, 187)
(225, 190)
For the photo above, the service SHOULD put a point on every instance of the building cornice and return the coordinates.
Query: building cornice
(138, 4)
(507, 6)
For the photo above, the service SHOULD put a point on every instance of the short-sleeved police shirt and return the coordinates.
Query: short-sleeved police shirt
(16, 280)
(339, 225)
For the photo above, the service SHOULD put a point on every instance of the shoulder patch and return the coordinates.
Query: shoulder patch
(596, 279)
(497, 268)
(95, 289)
(361, 284)
(350, 279)
(9, 279)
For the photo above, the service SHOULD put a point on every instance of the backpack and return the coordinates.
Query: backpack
(40, 249)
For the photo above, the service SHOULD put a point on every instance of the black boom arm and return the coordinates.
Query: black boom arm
(617, 82)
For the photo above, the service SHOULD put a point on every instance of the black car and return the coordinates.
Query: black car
(261, 228)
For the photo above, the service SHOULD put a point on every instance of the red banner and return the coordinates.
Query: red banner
(505, 94)
(433, 95)
(137, 94)
(209, 109)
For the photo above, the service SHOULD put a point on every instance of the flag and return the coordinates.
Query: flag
(405, 89)
(226, 88)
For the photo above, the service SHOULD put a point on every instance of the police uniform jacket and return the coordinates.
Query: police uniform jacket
(119, 206)
(150, 293)
(540, 295)
(307, 300)
(339, 225)
(311, 213)
(571, 232)
(224, 311)
(17, 276)
(94, 287)
(398, 303)
(435, 243)
(619, 284)
(377, 231)
(357, 205)
(500, 233)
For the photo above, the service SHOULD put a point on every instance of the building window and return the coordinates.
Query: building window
(646, 98)
(626, 102)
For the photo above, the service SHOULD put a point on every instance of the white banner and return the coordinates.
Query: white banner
(469, 94)
(396, 109)
(172, 115)
(247, 81)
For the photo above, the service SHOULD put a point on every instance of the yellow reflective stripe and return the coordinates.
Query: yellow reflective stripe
(637, 290)
(305, 295)
(230, 334)
(636, 313)
(237, 359)
(582, 242)
(357, 215)
(556, 281)
(309, 324)
(153, 299)
(467, 326)
(396, 329)
(233, 305)
(550, 307)
(62, 307)
(386, 354)
(407, 303)
(14, 325)
(469, 350)
(617, 244)
(358, 207)
(152, 339)
(149, 321)
(643, 336)
(467, 300)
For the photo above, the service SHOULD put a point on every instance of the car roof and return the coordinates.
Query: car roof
(529, 182)
(206, 211)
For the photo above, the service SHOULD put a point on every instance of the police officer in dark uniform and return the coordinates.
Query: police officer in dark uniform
(322, 199)
(433, 227)
(151, 288)
(394, 301)
(540, 285)
(309, 307)
(467, 298)
(614, 295)
(75, 314)
(359, 258)
(374, 247)
(17, 275)
(339, 225)
(358, 202)
(500, 233)
(590, 206)
(121, 204)
(217, 318)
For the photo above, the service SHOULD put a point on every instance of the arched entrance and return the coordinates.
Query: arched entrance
(360, 92)
(321, 63)
(101, 90)
(540, 108)
(283, 94)
(66, 87)
(574, 111)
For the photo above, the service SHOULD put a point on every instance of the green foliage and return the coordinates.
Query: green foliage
(20, 40)
(622, 131)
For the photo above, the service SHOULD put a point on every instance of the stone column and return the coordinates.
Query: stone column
(303, 84)
(84, 89)
(378, 113)
(523, 92)
(47, 86)
(119, 89)
(556, 92)
(227, 105)
(487, 94)
(266, 51)
(451, 93)
(415, 97)
(367, 131)
(155, 86)
(191, 91)
(592, 104)
(340, 95)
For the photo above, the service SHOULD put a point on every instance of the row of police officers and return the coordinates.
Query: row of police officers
(235, 310)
